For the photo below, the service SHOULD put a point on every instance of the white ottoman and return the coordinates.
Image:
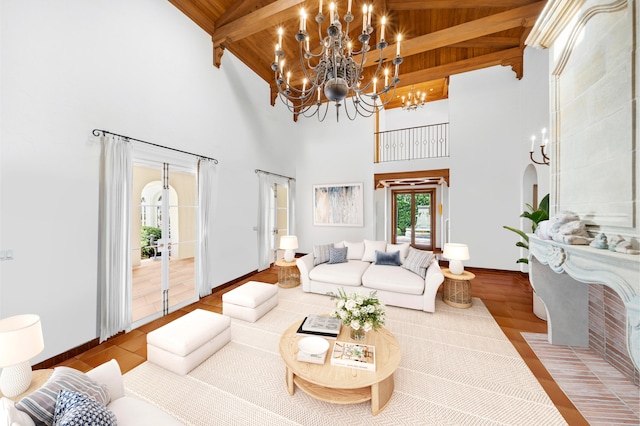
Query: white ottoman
(250, 301)
(186, 342)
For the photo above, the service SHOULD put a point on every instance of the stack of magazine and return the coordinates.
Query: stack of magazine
(354, 355)
(320, 325)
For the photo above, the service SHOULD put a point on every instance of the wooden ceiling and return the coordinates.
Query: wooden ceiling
(439, 37)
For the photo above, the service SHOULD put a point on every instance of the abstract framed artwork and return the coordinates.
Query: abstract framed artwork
(338, 205)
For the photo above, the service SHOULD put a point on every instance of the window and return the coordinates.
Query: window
(414, 217)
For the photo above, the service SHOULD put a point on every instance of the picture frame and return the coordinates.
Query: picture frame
(338, 204)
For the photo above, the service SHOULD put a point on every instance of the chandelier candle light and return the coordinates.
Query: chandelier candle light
(415, 100)
(336, 68)
(543, 147)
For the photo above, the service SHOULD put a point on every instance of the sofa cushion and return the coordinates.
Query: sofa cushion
(392, 258)
(356, 250)
(337, 255)
(348, 273)
(10, 415)
(392, 278)
(75, 409)
(370, 248)
(133, 412)
(418, 261)
(402, 248)
(321, 253)
(41, 404)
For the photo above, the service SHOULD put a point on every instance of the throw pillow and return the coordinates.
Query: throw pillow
(418, 261)
(356, 250)
(321, 254)
(402, 248)
(78, 409)
(337, 255)
(41, 404)
(392, 258)
(370, 248)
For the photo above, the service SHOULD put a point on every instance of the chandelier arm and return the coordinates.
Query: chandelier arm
(326, 109)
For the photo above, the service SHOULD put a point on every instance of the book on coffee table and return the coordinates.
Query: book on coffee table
(322, 324)
(354, 355)
(302, 332)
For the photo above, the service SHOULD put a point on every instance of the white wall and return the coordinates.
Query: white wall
(141, 69)
(491, 114)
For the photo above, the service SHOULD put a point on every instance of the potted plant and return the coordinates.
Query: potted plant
(536, 216)
(358, 312)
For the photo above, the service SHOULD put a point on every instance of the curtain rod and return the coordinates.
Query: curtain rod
(96, 132)
(274, 174)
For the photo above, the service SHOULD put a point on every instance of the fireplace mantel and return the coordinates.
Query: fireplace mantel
(558, 274)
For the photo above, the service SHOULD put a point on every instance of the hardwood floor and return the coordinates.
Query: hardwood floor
(507, 295)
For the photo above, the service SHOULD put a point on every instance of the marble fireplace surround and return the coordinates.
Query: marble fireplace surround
(560, 274)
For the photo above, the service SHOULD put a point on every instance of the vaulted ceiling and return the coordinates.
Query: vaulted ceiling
(440, 37)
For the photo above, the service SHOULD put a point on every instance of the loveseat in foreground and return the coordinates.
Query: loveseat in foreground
(410, 282)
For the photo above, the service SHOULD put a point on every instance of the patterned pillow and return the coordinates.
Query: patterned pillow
(78, 409)
(321, 254)
(392, 258)
(41, 404)
(337, 255)
(418, 261)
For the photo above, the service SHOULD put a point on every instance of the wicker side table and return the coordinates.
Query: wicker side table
(457, 288)
(288, 274)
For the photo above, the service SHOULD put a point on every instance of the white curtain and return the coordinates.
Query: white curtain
(207, 196)
(265, 219)
(291, 208)
(264, 222)
(114, 263)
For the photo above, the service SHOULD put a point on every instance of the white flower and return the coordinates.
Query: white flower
(350, 304)
(368, 326)
(356, 313)
(359, 300)
(340, 304)
(355, 325)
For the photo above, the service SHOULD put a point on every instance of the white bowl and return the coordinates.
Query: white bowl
(313, 345)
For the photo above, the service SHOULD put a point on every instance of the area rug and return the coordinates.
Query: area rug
(457, 368)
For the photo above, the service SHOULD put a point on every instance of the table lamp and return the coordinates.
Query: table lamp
(20, 340)
(289, 243)
(456, 253)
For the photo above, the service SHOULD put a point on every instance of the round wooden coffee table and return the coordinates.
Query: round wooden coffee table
(343, 385)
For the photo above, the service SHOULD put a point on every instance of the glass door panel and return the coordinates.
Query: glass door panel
(402, 218)
(146, 230)
(422, 212)
(414, 217)
(183, 210)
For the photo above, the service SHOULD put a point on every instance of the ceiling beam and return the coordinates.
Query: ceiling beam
(521, 16)
(256, 21)
(453, 4)
(504, 57)
(195, 13)
(489, 42)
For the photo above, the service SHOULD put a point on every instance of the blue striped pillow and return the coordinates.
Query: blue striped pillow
(78, 409)
(41, 404)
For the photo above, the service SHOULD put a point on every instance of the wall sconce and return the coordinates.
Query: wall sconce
(456, 253)
(289, 243)
(20, 340)
(543, 148)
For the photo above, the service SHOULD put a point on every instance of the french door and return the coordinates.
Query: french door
(279, 216)
(163, 247)
(414, 217)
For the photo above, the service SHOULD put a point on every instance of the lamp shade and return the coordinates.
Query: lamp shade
(20, 339)
(453, 251)
(289, 242)
(456, 253)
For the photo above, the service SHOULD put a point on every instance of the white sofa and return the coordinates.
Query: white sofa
(395, 285)
(128, 411)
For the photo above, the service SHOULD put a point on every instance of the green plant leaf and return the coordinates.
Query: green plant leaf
(523, 245)
(517, 231)
(522, 260)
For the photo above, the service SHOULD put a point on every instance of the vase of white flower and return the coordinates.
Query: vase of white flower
(358, 312)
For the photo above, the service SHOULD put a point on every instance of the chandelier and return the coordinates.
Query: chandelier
(416, 100)
(543, 148)
(335, 68)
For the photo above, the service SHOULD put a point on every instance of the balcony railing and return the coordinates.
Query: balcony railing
(412, 143)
